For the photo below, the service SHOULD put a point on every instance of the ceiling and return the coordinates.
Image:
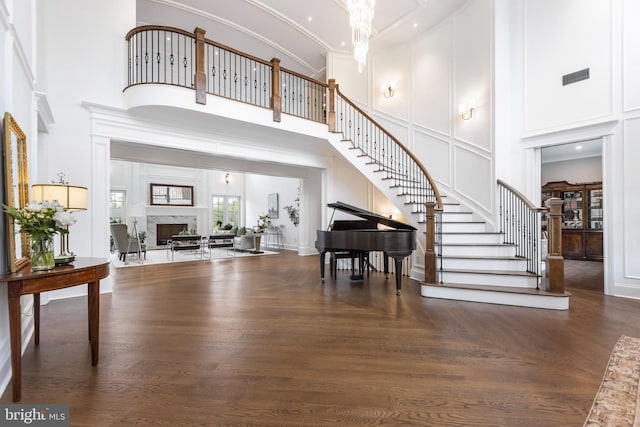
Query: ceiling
(299, 33)
(573, 151)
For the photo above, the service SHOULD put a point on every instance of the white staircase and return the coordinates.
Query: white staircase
(473, 263)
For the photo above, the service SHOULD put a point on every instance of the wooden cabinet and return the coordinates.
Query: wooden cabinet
(582, 213)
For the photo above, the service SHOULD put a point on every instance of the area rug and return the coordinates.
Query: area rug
(617, 401)
(162, 256)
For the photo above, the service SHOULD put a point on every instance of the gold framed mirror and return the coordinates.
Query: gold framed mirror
(16, 180)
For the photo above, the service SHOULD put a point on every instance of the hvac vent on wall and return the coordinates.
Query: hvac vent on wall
(574, 77)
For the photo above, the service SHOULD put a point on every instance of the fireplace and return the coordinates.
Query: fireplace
(181, 222)
(165, 231)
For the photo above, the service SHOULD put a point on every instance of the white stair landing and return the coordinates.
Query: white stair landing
(519, 297)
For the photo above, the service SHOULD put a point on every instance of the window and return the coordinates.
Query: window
(226, 210)
(117, 198)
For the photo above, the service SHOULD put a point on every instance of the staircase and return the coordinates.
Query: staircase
(473, 263)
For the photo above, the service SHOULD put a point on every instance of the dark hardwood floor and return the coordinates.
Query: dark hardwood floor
(261, 342)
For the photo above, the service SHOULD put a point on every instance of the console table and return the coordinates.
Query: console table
(25, 281)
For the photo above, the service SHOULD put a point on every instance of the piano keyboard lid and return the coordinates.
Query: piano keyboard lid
(362, 213)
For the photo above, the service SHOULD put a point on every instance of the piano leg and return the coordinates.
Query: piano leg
(398, 275)
(357, 255)
(322, 254)
(385, 256)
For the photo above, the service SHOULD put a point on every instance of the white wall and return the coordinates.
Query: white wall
(18, 84)
(563, 37)
(573, 171)
(433, 73)
(81, 58)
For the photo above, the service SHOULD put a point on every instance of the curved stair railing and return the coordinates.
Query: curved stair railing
(167, 55)
(394, 161)
(397, 164)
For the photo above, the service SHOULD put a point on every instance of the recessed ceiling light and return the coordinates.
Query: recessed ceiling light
(310, 19)
(343, 43)
(578, 147)
(415, 25)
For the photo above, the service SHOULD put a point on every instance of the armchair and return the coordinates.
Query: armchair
(126, 245)
(244, 242)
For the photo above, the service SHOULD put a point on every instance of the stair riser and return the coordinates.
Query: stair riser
(491, 297)
(484, 264)
(489, 279)
(471, 238)
(457, 217)
(461, 227)
(468, 250)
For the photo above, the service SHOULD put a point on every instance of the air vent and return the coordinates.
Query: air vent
(577, 76)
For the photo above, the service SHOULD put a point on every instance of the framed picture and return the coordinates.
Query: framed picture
(272, 206)
(171, 195)
(16, 190)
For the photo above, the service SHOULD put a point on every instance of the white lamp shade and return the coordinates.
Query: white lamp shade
(71, 197)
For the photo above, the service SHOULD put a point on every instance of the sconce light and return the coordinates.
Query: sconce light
(388, 91)
(227, 179)
(466, 109)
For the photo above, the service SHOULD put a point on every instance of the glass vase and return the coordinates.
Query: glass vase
(42, 253)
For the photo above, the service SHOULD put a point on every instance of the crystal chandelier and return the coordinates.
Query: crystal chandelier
(360, 16)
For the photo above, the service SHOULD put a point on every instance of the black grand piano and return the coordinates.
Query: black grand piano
(363, 236)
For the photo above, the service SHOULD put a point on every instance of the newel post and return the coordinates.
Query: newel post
(555, 261)
(332, 105)
(430, 249)
(276, 100)
(200, 78)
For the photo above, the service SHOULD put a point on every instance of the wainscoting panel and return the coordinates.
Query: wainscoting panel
(435, 154)
(632, 203)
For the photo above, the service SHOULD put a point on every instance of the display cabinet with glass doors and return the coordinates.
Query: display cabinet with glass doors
(582, 218)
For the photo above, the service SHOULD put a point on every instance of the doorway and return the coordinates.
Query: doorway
(574, 173)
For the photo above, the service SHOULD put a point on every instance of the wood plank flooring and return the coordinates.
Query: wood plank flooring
(261, 342)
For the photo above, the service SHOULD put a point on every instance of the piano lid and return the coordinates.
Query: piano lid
(341, 206)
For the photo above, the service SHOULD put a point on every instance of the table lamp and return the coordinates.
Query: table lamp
(71, 197)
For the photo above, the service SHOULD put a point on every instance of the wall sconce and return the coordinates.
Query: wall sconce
(227, 179)
(466, 109)
(388, 91)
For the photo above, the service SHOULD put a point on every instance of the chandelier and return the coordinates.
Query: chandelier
(360, 16)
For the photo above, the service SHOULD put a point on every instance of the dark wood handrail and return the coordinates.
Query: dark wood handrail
(237, 52)
(303, 77)
(142, 28)
(522, 197)
(399, 144)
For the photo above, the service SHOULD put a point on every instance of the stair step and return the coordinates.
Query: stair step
(479, 263)
(521, 279)
(470, 249)
(481, 237)
(536, 298)
(457, 216)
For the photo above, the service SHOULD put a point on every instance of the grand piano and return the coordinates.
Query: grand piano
(363, 236)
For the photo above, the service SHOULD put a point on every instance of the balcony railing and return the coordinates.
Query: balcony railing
(166, 55)
(161, 55)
